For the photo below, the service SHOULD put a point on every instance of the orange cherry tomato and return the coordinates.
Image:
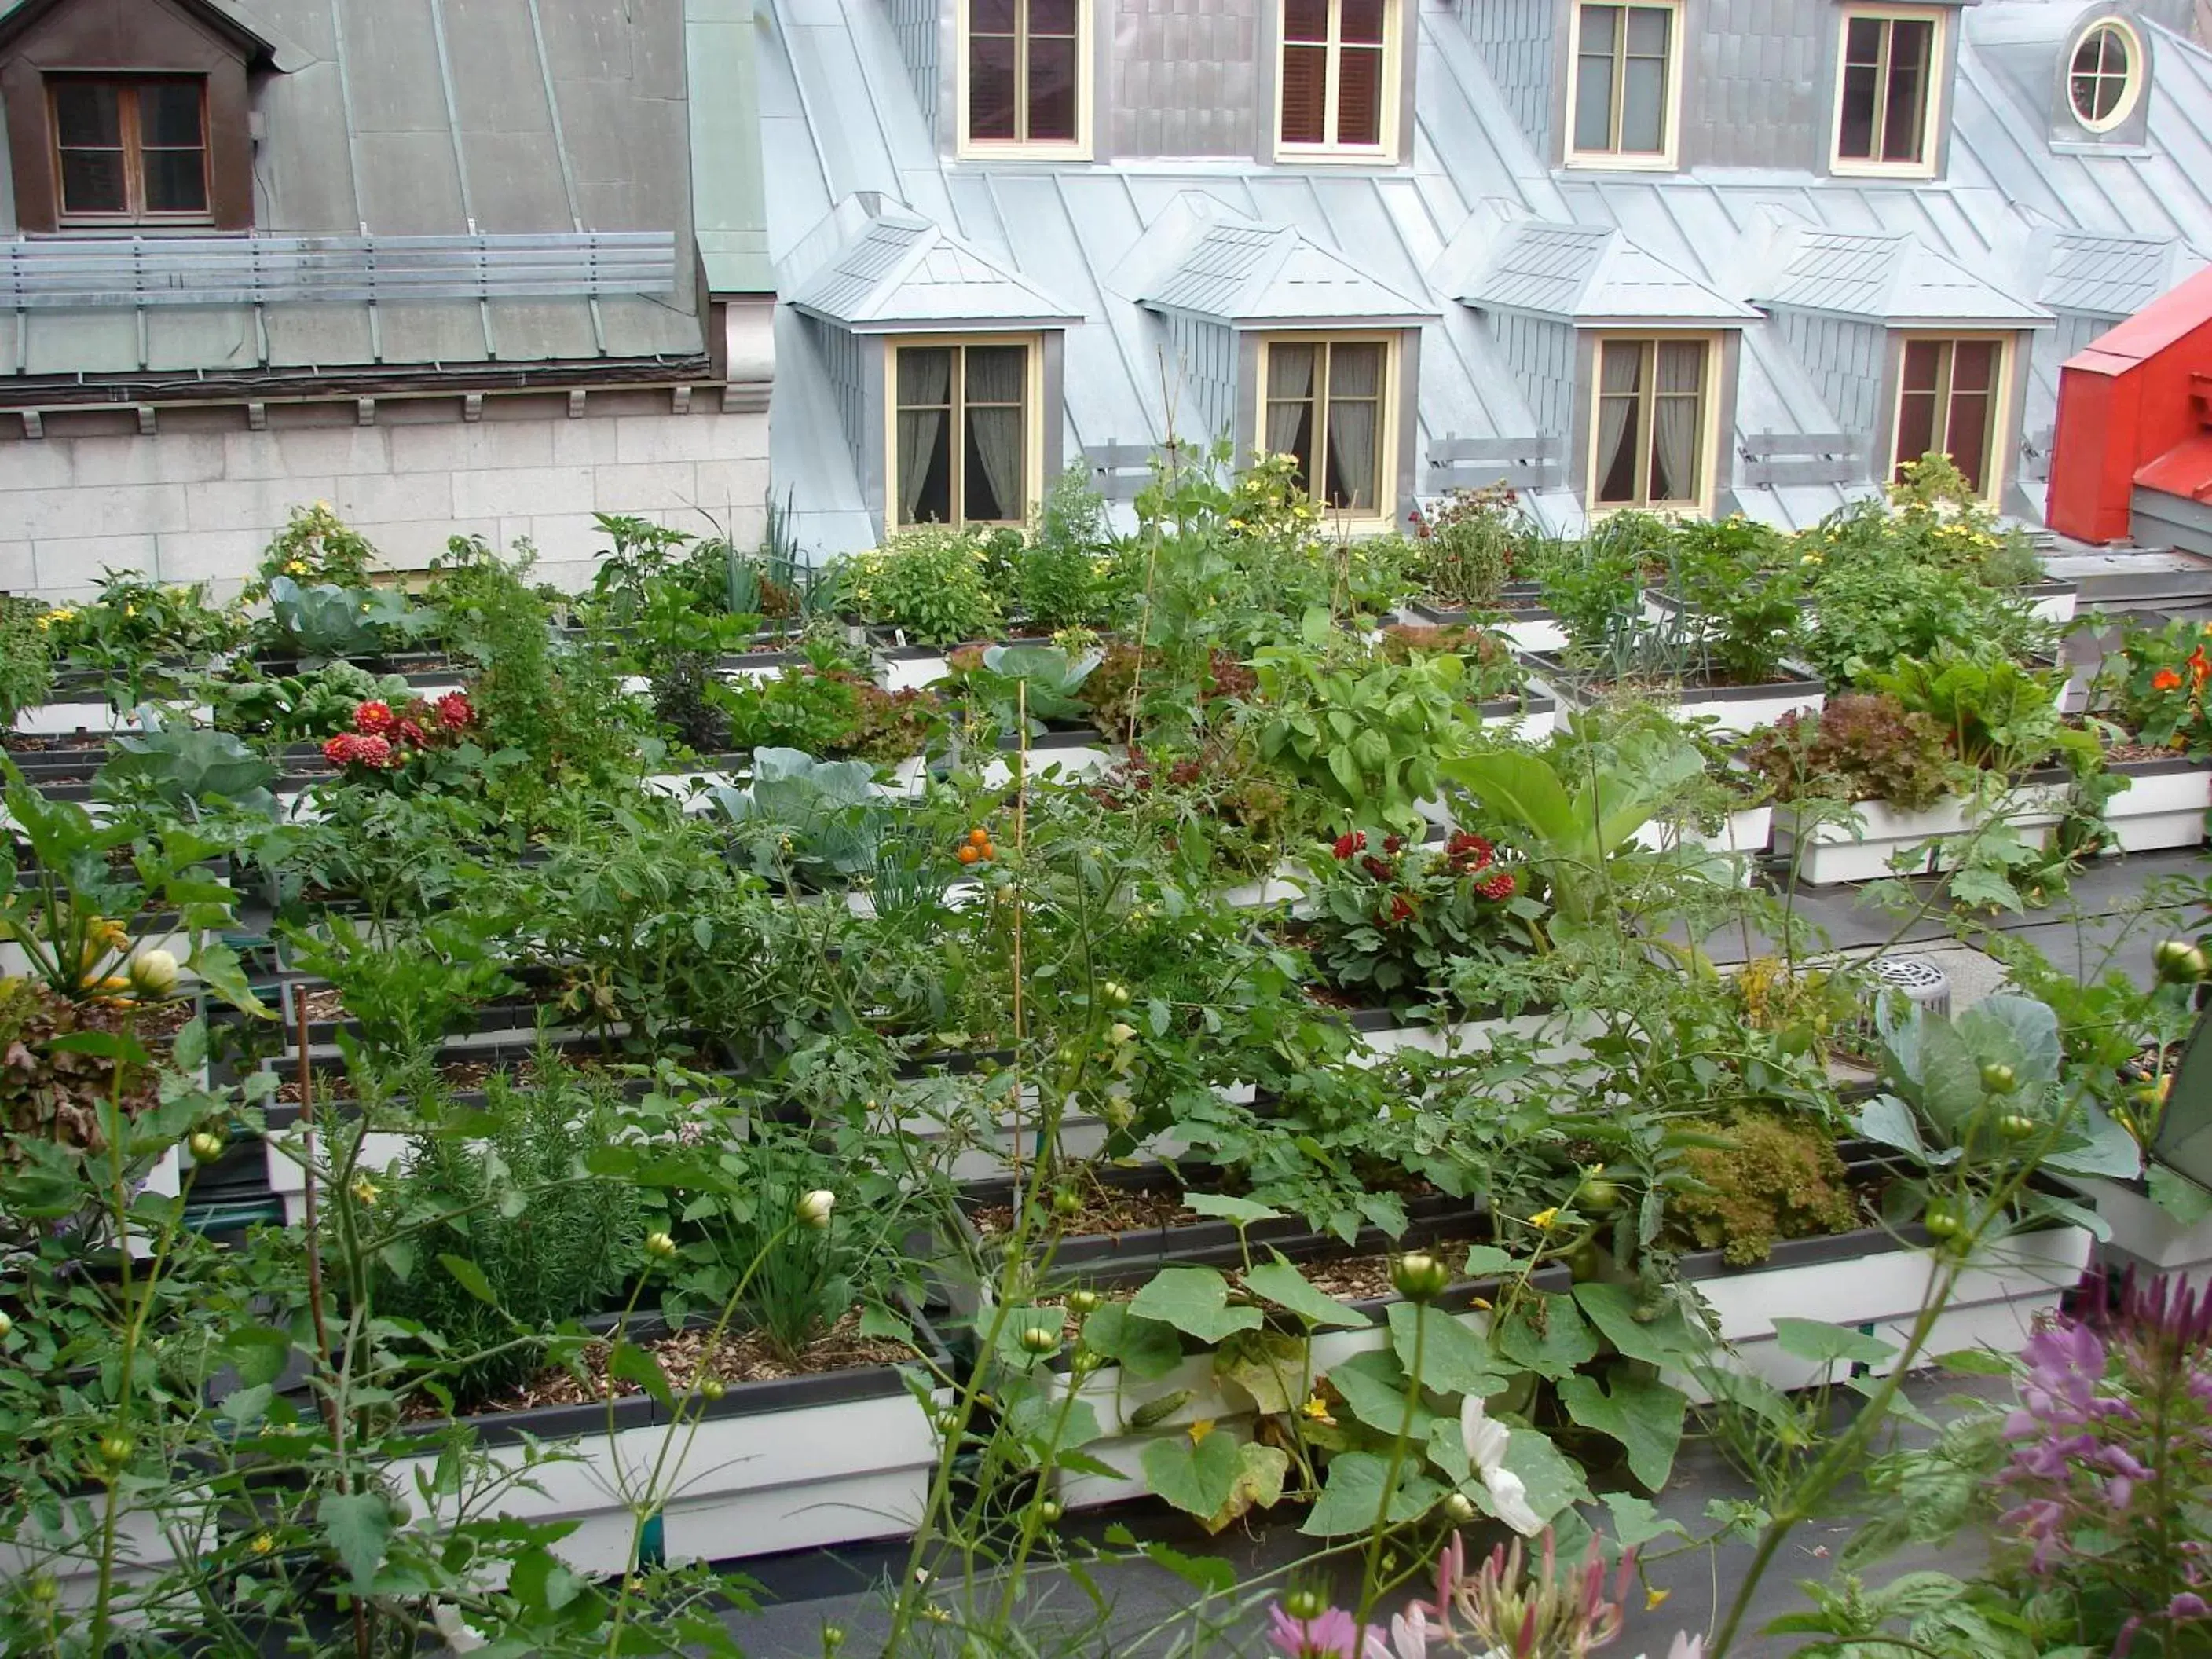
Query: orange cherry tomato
(970, 854)
(979, 837)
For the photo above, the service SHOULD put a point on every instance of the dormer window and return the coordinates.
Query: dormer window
(964, 431)
(130, 151)
(1648, 445)
(1885, 92)
(1625, 93)
(2105, 76)
(1325, 403)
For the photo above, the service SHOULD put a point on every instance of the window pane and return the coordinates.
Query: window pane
(1594, 91)
(1968, 439)
(1052, 89)
(1355, 370)
(88, 113)
(1360, 95)
(91, 181)
(1350, 483)
(991, 16)
(1052, 17)
(1643, 105)
(1905, 120)
(169, 115)
(991, 86)
(1647, 31)
(1620, 377)
(1974, 366)
(1862, 41)
(995, 373)
(1304, 95)
(1924, 363)
(1855, 130)
(1305, 20)
(176, 180)
(1291, 371)
(1361, 23)
(925, 376)
(993, 484)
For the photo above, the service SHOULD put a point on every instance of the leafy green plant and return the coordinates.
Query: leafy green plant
(1067, 569)
(1470, 544)
(1573, 809)
(998, 684)
(2153, 686)
(1998, 715)
(134, 629)
(1741, 591)
(813, 706)
(1758, 1179)
(931, 583)
(817, 817)
(1595, 586)
(568, 1250)
(26, 658)
(1393, 921)
(1373, 739)
(314, 548)
(186, 768)
(329, 623)
(1862, 746)
(1876, 604)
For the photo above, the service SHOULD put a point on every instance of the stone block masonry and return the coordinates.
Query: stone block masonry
(199, 497)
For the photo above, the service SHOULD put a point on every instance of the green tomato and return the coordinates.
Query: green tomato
(1600, 1196)
(1940, 1222)
(1998, 1078)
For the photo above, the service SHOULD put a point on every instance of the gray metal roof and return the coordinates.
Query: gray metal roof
(1898, 281)
(1425, 230)
(1253, 276)
(895, 269)
(2106, 276)
(434, 119)
(1592, 275)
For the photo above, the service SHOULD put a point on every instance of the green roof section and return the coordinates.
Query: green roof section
(729, 198)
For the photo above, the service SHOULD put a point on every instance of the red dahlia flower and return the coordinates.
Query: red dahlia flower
(1353, 841)
(373, 719)
(408, 732)
(1499, 886)
(1374, 868)
(455, 712)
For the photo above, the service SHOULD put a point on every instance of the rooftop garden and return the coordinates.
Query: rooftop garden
(521, 1102)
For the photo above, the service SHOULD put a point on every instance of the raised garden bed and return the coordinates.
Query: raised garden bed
(1736, 710)
(1830, 852)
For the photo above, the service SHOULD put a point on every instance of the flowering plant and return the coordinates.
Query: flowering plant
(2152, 687)
(2109, 1475)
(1391, 917)
(383, 739)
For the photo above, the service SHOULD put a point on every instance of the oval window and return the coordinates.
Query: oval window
(2106, 76)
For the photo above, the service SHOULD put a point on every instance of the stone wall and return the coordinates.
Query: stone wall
(198, 498)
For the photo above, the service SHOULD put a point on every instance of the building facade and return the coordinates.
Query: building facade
(446, 265)
(1703, 256)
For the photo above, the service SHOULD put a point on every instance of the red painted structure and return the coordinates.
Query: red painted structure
(2135, 408)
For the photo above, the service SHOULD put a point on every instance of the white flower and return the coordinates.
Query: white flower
(814, 1208)
(1486, 1440)
(1409, 1636)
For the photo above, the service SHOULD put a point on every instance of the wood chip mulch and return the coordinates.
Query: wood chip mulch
(744, 1358)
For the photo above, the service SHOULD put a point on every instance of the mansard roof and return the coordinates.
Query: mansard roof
(1251, 275)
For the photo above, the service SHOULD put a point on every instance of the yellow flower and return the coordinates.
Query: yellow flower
(1201, 1429)
(129, 610)
(1317, 1409)
(296, 567)
(1654, 1598)
(1237, 523)
(1543, 1219)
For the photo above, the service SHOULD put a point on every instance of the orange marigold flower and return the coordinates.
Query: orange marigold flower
(2166, 680)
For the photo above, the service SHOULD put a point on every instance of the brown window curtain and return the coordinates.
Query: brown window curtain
(1620, 395)
(1355, 421)
(1292, 373)
(997, 380)
(1677, 408)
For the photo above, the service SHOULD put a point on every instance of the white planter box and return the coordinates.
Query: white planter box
(1539, 632)
(751, 1483)
(2143, 1232)
(2161, 804)
(1563, 1037)
(1880, 1291)
(1830, 852)
(51, 719)
(1747, 831)
(909, 668)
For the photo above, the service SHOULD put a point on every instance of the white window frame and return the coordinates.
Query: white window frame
(1391, 117)
(1032, 424)
(1667, 158)
(2000, 397)
(1932, 109)
(2131, 90)
(1384, 516)
(1076, 149)
(1709, 422)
